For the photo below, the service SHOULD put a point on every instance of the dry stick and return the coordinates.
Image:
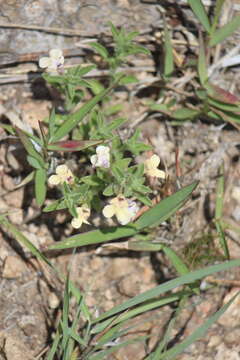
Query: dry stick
(60, 31)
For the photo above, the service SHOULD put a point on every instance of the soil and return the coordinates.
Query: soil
(31, 296)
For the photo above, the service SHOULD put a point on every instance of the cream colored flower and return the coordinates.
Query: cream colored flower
(102, 157)
(53, 62)
(63, 174)
(122, 208)
(151, 167)
(83, 213)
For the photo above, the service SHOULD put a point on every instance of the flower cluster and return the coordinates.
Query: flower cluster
(122, 208)
(52, 63)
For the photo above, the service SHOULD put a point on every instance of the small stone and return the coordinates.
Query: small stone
(13, 268)
(231, 317)
(15, 198)
(214, 341)
(53, 301)
(96, 263)
(128, 287)
(236, 193)
(231, 338)
(120, 267)
(15, 349)
(8, 182)
(16, 216)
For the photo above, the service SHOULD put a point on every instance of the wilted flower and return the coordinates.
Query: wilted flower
(102, 157)
(53, 62)
(151, 167)
(124, 209)
(83, 213)
(63, 174)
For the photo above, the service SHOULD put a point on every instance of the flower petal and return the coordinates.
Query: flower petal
(94, 159)
(123, 216)
(108, 211)
(100, 150)
(155, 160)
(55, 54)
(44, 62)
(76, 223)
(54, 180)
(62, 170)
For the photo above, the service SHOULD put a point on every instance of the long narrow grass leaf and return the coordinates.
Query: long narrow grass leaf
(165, 208)
(169, 285)
(200, 12)
(197, 334)
(225, 31)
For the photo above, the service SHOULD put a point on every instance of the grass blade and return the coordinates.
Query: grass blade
(202, 63)
(74, 119)
(168, 59)
(225, 31)
(165, 208)
(197, 334)
(40, 186)
(200, 13)
(169, 285)
(95, 237)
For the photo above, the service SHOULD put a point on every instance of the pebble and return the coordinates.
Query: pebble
(15, 350)
(14, 267)
(231, 317)
(53, 301)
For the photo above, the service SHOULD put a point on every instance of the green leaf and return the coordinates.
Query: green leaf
(74, 119)
(217, 13)
(197, 334)
(200, 12)
(56, 205)
(175, 260)
(28, 145)
(167, 286)
(128, 79)
(33, 162)
(24, 241)
(202, 63)
(165, 208)
(222, 239)
(144, 246)
(184, 113)
(224, 106)
(168, 59)
(96, 237)
(40, 186)
(225, 31)
(100, 49)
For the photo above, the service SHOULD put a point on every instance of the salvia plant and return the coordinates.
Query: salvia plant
(109, 180)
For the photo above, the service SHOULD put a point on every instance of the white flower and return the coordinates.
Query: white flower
(151, 167)
(102, 157)
(63, 174)
(53, 62)
(83, 213)
(124, 209)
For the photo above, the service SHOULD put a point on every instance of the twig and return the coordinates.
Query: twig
(60, 31)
